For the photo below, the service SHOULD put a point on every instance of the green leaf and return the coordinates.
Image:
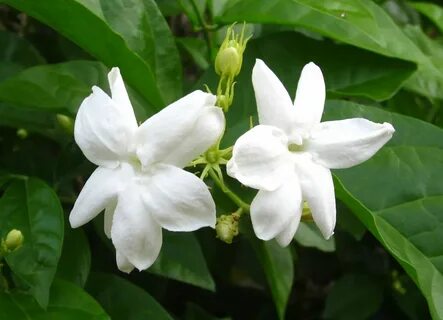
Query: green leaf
(181, 258)
(197, 49)
(32, 207)
(430, 10)
(60, 88)
(67, 302)
(278, 267)
(308, 235)
(131, 34)
(406, 219)
(354, 297)
(360, 23)
(123, 300)
(16, 54)
(75, 261)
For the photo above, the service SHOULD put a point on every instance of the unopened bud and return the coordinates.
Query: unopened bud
(14, 240)
(22, 133)
(66, 123)
(227, 227)
(229, 58)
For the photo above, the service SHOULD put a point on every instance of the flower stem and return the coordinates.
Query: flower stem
(235, 198)
(203, 25)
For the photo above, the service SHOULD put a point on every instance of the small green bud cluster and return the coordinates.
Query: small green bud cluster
(227, 227)
(228, 63)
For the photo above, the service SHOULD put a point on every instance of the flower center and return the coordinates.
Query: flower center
(293, 147)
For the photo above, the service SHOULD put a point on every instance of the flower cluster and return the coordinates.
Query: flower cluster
(142, 187)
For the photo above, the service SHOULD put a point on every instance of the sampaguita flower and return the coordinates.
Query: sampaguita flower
(288, 156)
(140, 182)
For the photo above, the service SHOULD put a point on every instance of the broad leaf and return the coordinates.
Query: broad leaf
(181, 258)
(75, 261)
(354, 297)
(67, 302)
(132, 35)
(278, 267)
(123, 300)
(430, 10)
(348, 22)
(60, 88)
(32, 207)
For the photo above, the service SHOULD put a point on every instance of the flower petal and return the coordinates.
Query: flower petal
(285, 237)
(109, 217)
(120, 95)
(272, 211)
(103, 130)
(161, 134)
(260, 158)
(178, 200)
(346, 143)
(123, 263)
(273, 102)
(318, 190)
(205, 133)
(99, 191)
(310, 97)
(134, 232)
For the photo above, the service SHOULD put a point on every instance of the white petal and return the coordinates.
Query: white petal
(103, 130)
(120, 95)
(285, 237)
(109, 216)
(178, 200)
(134, 232)
(318, 190)
(99, 191)
(272, 211)
(346, 143)
(205, 133)
(161, 134)
(273, 102)
(260, 158)
(123, 263)
(310, 97)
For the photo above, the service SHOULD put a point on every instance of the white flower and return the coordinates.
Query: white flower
(139, 181)
(288, 156)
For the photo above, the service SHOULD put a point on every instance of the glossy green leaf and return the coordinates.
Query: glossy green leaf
(60, 88)
(353, 297)
(16, 54)
(57, 88)
(197, 50)
(279, 271)
(75, 261)
(181, 258)
(32, 207)
(67, 302)
(430, 10)
(346, 21)
(132, 35)
(123, 300)
(308, 235)
(398, 196)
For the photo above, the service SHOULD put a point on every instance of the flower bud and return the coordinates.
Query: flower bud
(22, 133)
(229, 58)
(66, 123)
(14, 240)
(227, 227)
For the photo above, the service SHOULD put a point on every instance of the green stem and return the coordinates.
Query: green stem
(235, 198)
(205, 29)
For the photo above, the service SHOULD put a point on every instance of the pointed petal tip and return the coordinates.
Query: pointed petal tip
(389, 127)
(74, 222)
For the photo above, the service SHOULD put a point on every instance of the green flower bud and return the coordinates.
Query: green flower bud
(14, 240)
(229, 58)
(66, 123)
(22, 133)
(227, 227)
